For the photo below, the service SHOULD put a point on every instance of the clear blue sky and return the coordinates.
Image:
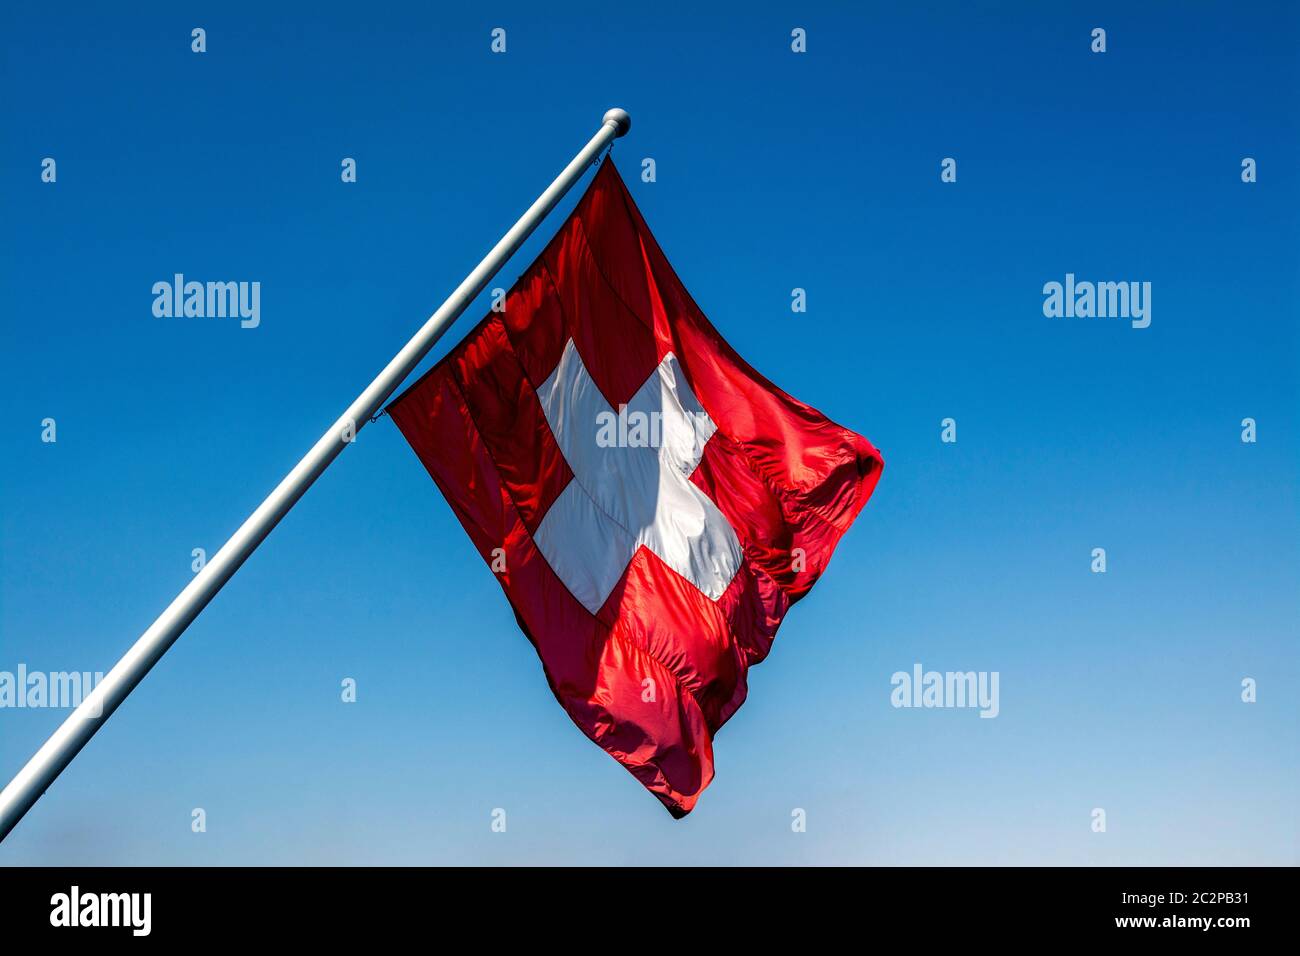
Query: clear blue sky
(775, 170)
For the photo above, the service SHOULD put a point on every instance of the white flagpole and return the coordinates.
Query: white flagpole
(48, 762)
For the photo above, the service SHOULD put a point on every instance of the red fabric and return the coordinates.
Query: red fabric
(783, 475)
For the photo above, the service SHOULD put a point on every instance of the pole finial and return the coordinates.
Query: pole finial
(620, 120)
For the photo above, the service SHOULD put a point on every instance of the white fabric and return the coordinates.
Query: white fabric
(623, 497)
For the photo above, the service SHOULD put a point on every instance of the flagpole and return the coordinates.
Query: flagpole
(48, 762)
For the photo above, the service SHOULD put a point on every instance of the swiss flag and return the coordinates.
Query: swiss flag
(651, 505)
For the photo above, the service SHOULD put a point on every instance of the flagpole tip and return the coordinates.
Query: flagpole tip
(620, 120)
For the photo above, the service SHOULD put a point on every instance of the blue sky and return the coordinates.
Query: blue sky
(775, 170)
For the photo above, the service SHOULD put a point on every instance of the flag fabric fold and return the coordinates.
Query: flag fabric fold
(650, 504)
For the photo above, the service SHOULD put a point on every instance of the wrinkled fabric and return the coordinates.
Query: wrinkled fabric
(672, 594)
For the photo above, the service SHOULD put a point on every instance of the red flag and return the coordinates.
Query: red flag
(651, 505)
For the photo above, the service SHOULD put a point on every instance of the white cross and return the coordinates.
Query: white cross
(621, 498)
